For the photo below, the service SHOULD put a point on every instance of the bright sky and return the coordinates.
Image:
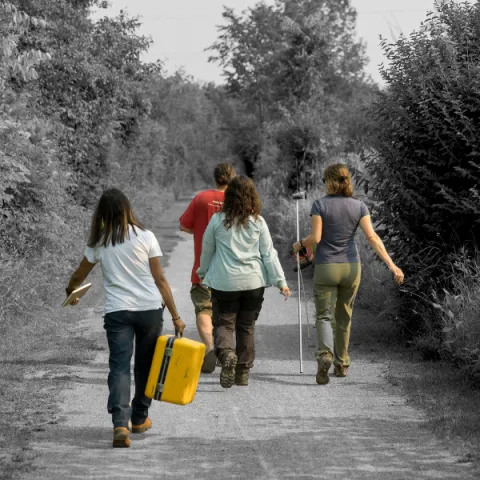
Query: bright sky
(182, 29)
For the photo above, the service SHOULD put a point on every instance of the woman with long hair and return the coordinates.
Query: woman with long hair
(238, 261)
(335, 220)
(134, 285)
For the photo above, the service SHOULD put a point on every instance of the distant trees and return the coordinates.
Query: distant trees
(298, 70)
(79, 110)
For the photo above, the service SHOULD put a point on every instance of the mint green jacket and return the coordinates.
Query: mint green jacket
(239, 258)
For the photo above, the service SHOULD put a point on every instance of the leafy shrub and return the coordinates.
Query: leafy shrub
(424, 171)
(297, 70)
(377, 291)
(73, 120)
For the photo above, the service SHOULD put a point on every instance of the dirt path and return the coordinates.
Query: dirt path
(283, 425)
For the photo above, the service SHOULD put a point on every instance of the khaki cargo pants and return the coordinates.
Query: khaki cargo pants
(336, 286)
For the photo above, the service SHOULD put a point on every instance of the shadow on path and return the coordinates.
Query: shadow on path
(311, 447)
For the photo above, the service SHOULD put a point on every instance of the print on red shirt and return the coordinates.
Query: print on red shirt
(196, 217)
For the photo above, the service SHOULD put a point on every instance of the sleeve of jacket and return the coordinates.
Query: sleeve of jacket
(275, 275)
(208, 247)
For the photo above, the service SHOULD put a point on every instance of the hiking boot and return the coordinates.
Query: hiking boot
(209, 362)
(241, 377)
(324, 364)
(340, 371)
(227, 374)
(143, 427)
(121, 437)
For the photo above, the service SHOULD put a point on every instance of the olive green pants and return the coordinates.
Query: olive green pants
(336, 285)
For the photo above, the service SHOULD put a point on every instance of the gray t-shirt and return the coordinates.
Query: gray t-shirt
(340, 219)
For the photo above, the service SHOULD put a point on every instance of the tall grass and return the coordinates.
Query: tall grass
(458, 312)
(33, 286)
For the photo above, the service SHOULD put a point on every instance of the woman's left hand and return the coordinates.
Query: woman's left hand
(285, 291)
(296, 247)
(75, 300)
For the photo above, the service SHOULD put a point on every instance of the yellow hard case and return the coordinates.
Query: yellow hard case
(175, 370)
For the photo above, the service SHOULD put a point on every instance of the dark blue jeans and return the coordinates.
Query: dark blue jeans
(122, 328)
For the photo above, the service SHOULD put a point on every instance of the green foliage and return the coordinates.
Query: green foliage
(84, 114)
(289, 52)
(15, 22)
(458, 339)
(425, 171)
(297, 69)
(14, 66)
(180, 140)
(93, 86)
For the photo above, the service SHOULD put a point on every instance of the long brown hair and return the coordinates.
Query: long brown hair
(111, 219)
(337, 180)
(241, 201)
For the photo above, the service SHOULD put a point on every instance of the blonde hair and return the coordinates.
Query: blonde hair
(337, 180)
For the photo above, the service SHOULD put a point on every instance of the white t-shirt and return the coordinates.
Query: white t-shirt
(128, 281)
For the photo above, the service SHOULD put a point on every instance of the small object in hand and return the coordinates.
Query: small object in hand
(76, 294)
(307, 258)
(285, 293)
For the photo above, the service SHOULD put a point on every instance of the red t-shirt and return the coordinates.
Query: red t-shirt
(196, 217)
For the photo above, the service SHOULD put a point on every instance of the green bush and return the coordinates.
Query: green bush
(74, 119)
(377, 291)
(425, 171)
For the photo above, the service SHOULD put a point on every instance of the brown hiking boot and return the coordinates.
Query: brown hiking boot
(227, 374)
(143, 427)
(241, 377)
(340, 371)
(324, 364)
(121, 437)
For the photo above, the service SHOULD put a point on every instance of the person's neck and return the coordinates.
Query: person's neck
(221, 189)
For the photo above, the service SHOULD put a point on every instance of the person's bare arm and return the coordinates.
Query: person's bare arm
(164, 287)
(376, 243)
(79, 276)
(313, 237)
(186, 230)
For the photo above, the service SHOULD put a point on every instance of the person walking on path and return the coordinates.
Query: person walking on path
(335, 219)
(134, 285)
(194, 221)
(238, 261)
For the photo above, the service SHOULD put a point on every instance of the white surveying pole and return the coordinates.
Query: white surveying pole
(299, 196)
